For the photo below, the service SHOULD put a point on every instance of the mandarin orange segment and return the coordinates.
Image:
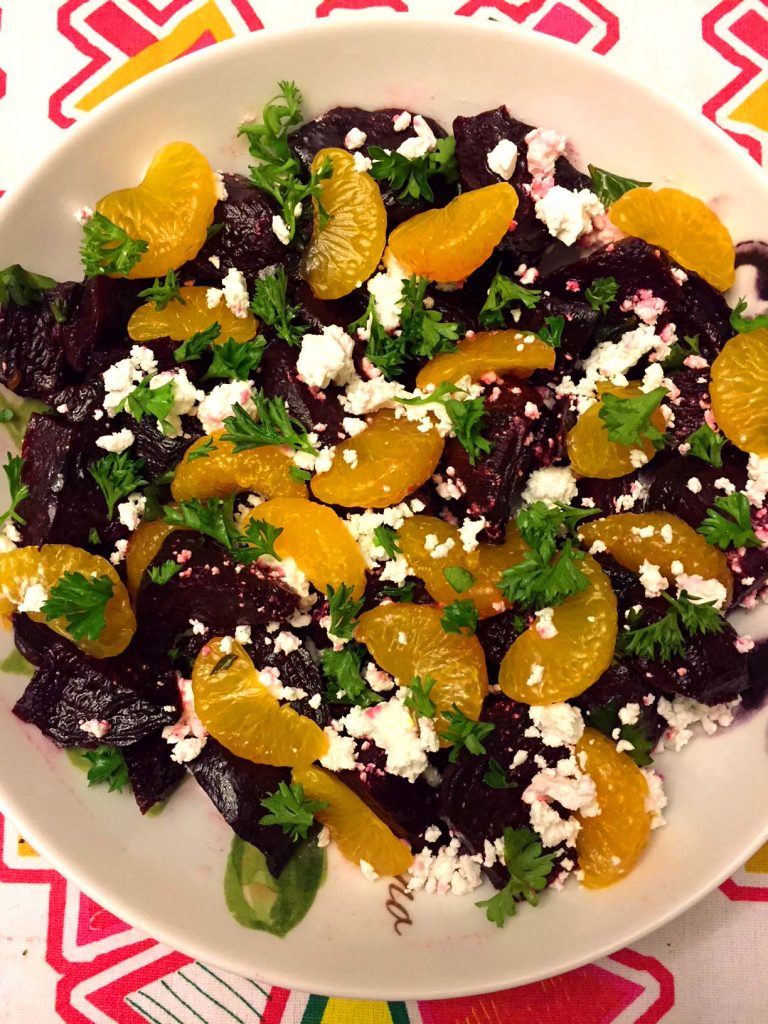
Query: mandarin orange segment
(171, 209)
(346, 249)
(143, 547)
(661, 539)
(316, 539)
(486, 563)
(393, 458)
(45, 566)
(683, 225)
(591, 451)
(238, 710)
(514, 352)
(181, 319)
(266, 471)
(408, 640)
(357, 831)
(739, 391)
(448, 244)
(609, 845)
(539, 671)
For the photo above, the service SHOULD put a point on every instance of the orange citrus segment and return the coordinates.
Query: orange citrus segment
(539, 671)
(221, 472)
(408, 640)
(181, 319)
(45, 566)
(317, 540)
(238, 710)
(739, 391)
(171, 209)
(393, 459)
(609, 845)
(356, 830)
(448, 244)
(514, 352)
(143, 547)
(685, 226)
(591, 451)
(486, 563)
(345, 250)
(628, 538)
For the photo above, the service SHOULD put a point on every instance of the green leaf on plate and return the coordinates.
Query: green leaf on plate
(257, 900)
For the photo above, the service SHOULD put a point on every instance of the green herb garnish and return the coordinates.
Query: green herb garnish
(666, 638)
(460, 579)
(194, 347)
(743, 325)
(608, 187)
(270, 305)
(629, 420)
(409, 179)
(14, 464)
(460, 617)
(464, 733)
(707, 444)
(20, 287)
(602, 293)
(419, 699)
(108, 767)
(117, 475)
(343, 610)
(273, 426)
(236, 360)
(503, 291)
(529, 868)
(160, 574)
(81, 601)
(729, 523)
(290, 809)
(107, 249)
(163, 292)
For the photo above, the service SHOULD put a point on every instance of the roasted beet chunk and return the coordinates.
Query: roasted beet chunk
(212, 589)
(494, 481)
(309, 405)
(623, 683)
(711, 670)
(497, 635)
(579, 324)
(162, 452)
(297, 671)
(71, 688)
(154, 776)
(670, 492)
(32, 359)
(477, 811)
(236, 788)
(475, 138)
(97, 313)
(622, 494)
(690, 405)
(64, 502)
(246, 240)
(330, 130)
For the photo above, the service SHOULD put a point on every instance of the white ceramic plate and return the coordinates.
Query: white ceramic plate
(164, 874)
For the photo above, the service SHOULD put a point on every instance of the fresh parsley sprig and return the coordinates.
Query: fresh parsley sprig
(274, 425)
(108, 249)
(503, 291)
(602, 293)
(277, 170)
(408, 178)
(82, 602)
(343, 610)
(666, 638)
(291, 810)
(496, 777)
(236, 360)
(194, 347)
(608, 187)
(729, 523)
(606, 719)
(680, 351)
(467, 417)
(108, 767)
(161, 574)
(460, 617)
(419, 698)
(163, 292)
(551, 333)
(459, 578)
(213, 517)
(424, 332)
(385, 538)
(20, 287)
(343, 677)
(14, 465)
(464, 733)
(742, 324)
(202, 451)
(117, 475)
(529, 868)
(270, 306)
(707, 445)
(145, 400)
(629, 420)
(261, 537)
(386, 351)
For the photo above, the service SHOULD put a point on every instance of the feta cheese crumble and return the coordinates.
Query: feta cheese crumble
(502, 159)
(568, 215)
(326, 358)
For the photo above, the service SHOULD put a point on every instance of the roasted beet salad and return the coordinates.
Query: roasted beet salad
(397, 493)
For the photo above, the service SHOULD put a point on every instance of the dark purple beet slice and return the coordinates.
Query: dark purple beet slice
(329, 131)
(297, 669)
(236, 788)
(246, 240)
(580, 322)
(32, 359)
(623, 683)
(310, 406)
(378, 591)
(477, 811)
(495, 480)
(497, 635)
(64, 501)
(70, 688)
(669, 490)
(212, 589)
(476, 136)
(611, 496)
(154, 776)
(33, 639)
(161, 452)
(626, 586)
(712, 669)
(757, 667)
(409, 808)
(97, 314)
(691, 404)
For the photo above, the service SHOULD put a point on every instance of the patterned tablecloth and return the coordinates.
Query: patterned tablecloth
(62, 957)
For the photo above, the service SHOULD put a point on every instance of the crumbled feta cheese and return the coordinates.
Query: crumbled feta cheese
(233, 289)
(367, 396)
(353, 426)
(422, 143)
(468, 532)
(401, 122)
(130, 511)
(544, 625)
(122, 377)
(567, 785)
(378, 680)
(286, 643)
(324, 837)
(97, 729)
(368, 872)
(638, 458)
(757, 482)
(629, 714)
(545, 147)
(117, 442)
(362, 163)
(651, 579)
(435, 549)
(559, 724)
(568, 215)
(221, 189)
(243, 634)
(502, 159)
(387, 292)
(701, 591)
(280, 229)
(656, 800)
(33, 597)
(683, 712)
(83, 215)
(326, 357)
(694, 485)
(724, 484)
(445, 871)
(121, 550)
(341, 752)
(535, 676)
(198, 627)
(550, 485)
(188, 736)
(350, 457)
(354, 139)
(219, 404)
(391, 726)
(362, 526)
